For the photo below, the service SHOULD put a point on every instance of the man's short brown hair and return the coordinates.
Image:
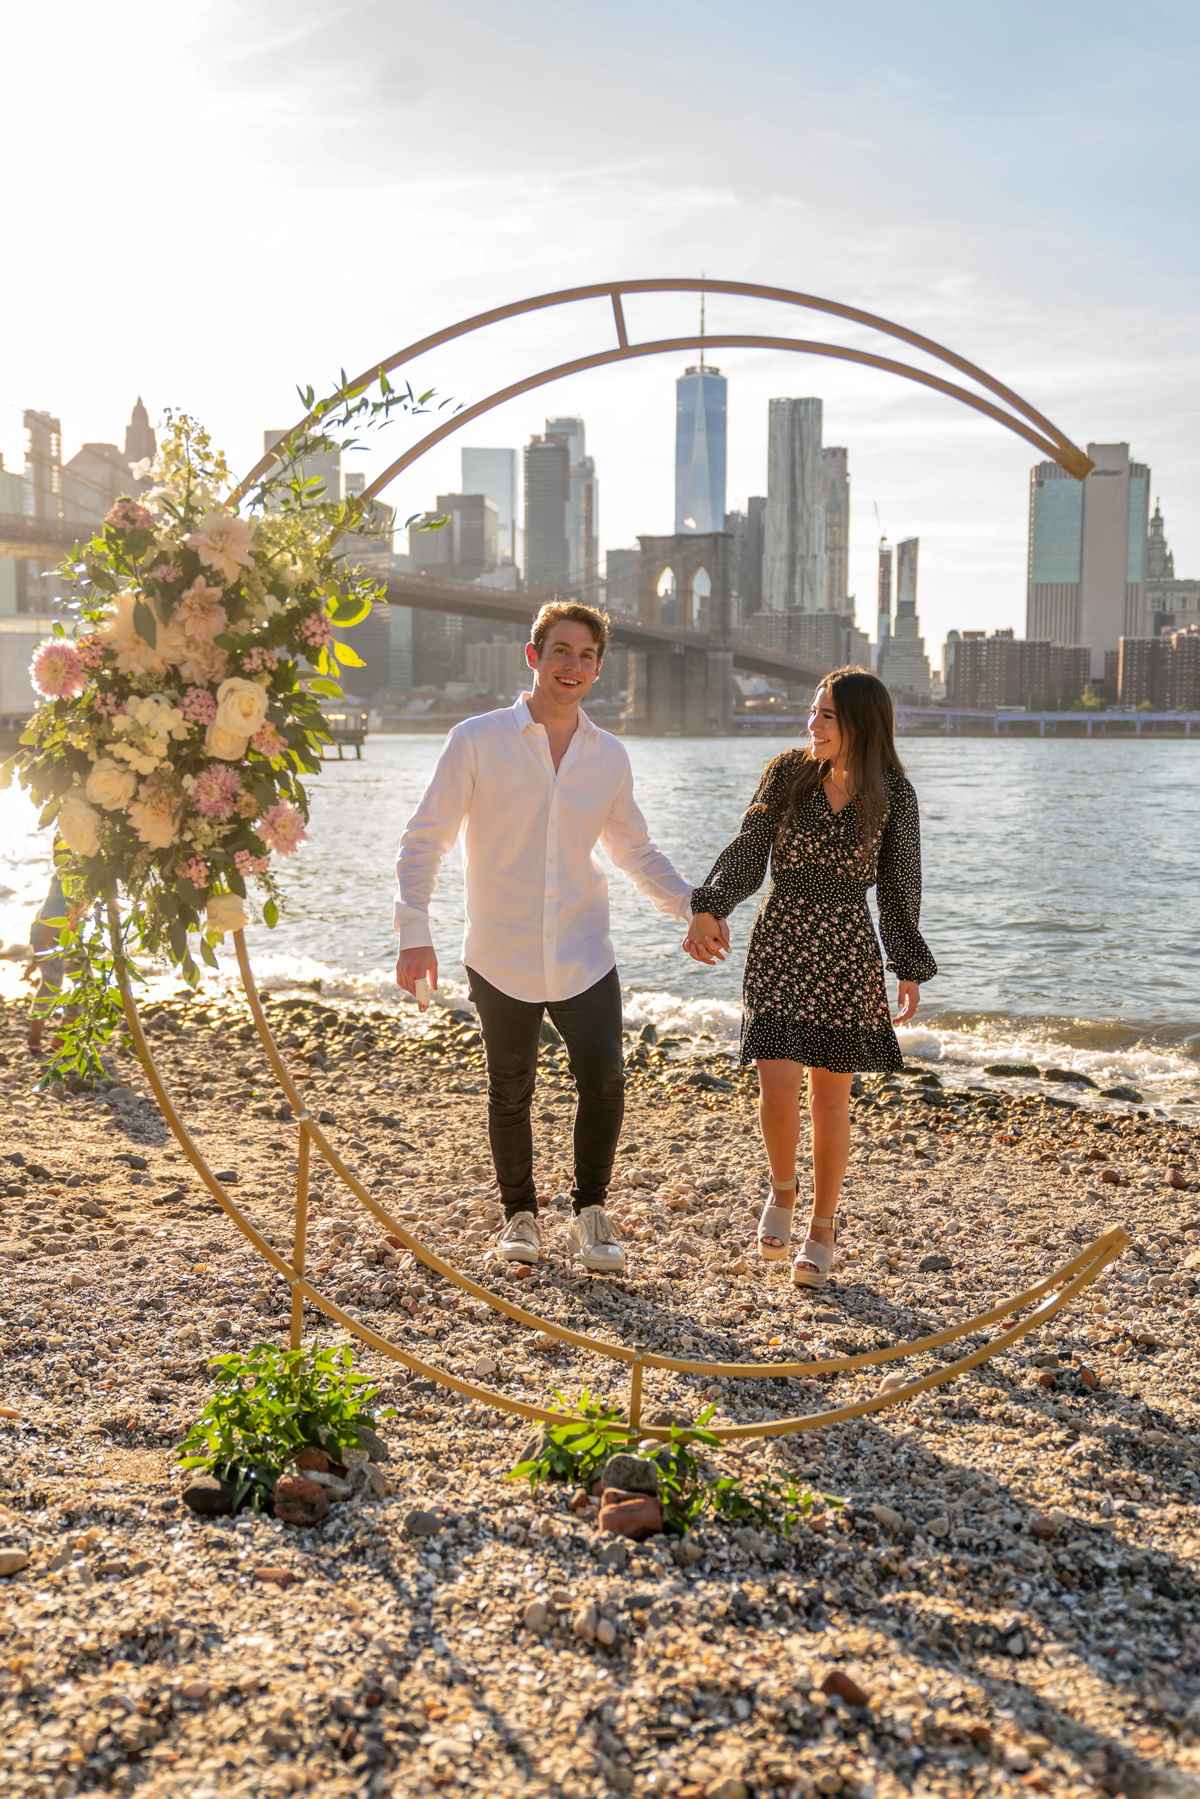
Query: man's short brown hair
(556, 612)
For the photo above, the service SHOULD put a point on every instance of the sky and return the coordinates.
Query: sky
(213, 203)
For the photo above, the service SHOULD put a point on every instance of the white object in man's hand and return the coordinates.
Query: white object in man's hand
(417, 973)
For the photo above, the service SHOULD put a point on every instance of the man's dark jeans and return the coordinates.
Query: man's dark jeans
(590, 1027)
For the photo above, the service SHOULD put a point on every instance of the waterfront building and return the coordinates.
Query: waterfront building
(794, 570)
(982, 673)
(583, 507)
(494, 473)
(883, 603)
(465, 547)
(1171, 602)
(1088, 545)
(547, 503)
(622, 577)
(700, 439)
(901, 662)
(836, 486)
(1162, 672)
(499, 667)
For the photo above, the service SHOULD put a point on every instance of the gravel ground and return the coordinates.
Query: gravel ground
(1007, 1602)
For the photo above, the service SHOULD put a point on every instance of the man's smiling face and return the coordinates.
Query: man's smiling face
(569, 662)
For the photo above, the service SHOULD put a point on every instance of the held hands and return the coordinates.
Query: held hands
(413, 965)
(908, 998)
(707, 939)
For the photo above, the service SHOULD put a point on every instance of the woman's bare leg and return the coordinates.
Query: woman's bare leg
(779, 1087)
(829, 1107)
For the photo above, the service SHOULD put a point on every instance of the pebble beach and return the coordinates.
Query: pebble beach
(1006, 1600)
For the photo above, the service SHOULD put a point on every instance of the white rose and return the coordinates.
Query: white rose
(241, 706)
(225, 913)
(229, 746)
(78, 824)
(111, 786)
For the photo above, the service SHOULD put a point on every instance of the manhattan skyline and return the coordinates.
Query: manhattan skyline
(914, 186)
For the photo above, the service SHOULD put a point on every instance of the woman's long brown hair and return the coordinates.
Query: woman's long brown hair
(863, 707)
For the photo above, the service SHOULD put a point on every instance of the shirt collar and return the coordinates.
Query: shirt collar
(524, 718)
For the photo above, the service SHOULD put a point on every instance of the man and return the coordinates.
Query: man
(534, 788)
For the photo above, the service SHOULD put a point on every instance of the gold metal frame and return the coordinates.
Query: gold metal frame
(1026, 1311)
(1039, 1303)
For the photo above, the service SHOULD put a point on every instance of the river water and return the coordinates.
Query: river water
(1062, 895)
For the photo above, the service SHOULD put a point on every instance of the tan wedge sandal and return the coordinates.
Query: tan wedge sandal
(812, 1265)
(776, 1221)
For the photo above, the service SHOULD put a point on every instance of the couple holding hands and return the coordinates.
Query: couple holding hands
(534, 788)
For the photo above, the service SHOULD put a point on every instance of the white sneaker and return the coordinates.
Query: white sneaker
(521, 1239)
(593, 1239)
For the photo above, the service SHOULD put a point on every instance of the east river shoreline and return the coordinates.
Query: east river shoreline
(1011, 1586)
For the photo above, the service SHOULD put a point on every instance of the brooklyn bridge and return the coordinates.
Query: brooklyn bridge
(686, 646)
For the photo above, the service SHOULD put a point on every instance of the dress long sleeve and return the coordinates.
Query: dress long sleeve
(899, 889)
(741, 867)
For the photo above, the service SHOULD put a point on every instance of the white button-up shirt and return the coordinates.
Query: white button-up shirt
(537, 923)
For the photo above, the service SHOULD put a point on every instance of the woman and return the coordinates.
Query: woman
(831, 820)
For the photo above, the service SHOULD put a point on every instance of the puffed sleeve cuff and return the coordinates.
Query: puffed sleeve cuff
(707, 899)
(918, 971)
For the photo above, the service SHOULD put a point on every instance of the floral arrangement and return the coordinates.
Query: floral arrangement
(181, 706)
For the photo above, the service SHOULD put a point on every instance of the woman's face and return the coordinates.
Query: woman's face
(824, 731)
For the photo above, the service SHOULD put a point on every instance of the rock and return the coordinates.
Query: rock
(299, 1500)
(76, 1280)
(209, 1496)
(891, 1383)
(373, 1443)
(12, 1561)
(277, 1577)
(933, 1264)
(727, 1786)
(1177, 1179)
(584, 1623)
(606, 1633)
(1071, 1075)
(887, 1516)
(222, 1327)
(613, 1555)
(1044, 1529)
(631, 1473)
(195, 1690)
(544, 1340)
(938, 1527)
(635, 1515)
(330, 1484)
(708, 1083)
(484, 1365)
(419, 1523)
(312, 1459)
(536, 1617)
(1112, 1179)
(372, 1481)
(839, 1684)
(1120, 1091)
(1012, 1070)
(580, 1501)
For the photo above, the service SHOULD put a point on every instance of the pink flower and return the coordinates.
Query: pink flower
(248, 865)
(199, 706)
(162, 571)
(268, 741)
(90, 650)
(200, 611)
(196, 870)
(260, 662)
(317, 630)
(108, 704)
(127, 515)
(282, 828)
(215, 790)
(56, 671)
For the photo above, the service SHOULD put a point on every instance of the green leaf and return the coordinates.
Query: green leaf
(144, 622)
(330, 689)
(270, 914)
(349, 610)
(347, 657)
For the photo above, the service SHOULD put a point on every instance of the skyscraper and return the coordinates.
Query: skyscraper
(1087, 553)
(583, 506)
(494, 472)
(794, 570)
(547, 503)
(901, 660)
(140, 441)
(700, 399)
(836, 485)
(883, 607)
(322, 466)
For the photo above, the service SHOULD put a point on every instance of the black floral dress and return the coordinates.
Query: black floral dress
(813, 990)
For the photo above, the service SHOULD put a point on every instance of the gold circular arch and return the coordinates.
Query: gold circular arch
(1023, 1313)
(1013, 412)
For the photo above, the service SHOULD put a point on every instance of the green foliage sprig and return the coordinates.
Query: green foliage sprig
(689, 1487)
(271, 1404)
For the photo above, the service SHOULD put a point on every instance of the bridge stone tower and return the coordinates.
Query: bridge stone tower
(686, 690)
